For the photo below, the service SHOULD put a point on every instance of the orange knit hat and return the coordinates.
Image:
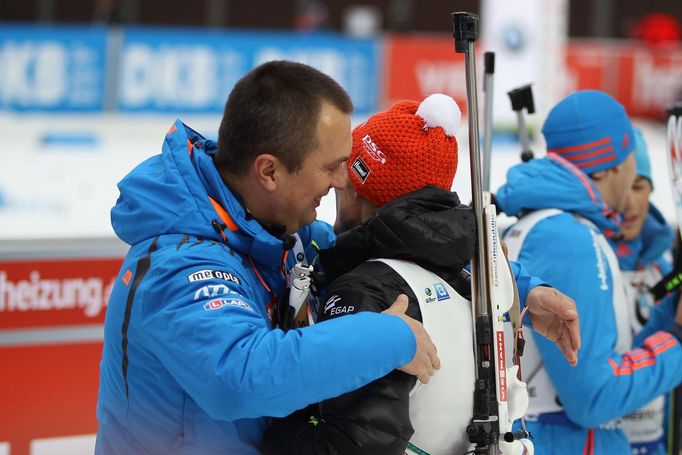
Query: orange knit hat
(405, 148)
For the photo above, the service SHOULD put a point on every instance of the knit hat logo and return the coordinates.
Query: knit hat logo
(372, 149)
(360, 169)
(403, 149)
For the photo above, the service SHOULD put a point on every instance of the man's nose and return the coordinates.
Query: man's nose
(340, 178)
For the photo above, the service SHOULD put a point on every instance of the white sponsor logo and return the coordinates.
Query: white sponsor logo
(372, 149)
(601, 268)
(203, 275)
(360, 169)
(220, 303)
(331, 302)
(341, 310)
(37, 294)
(212, 290)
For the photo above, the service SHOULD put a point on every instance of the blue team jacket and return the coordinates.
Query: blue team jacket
(651, 251)
(560, 250)
(191, 362)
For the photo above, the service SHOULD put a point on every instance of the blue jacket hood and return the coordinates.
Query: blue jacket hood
(654, 240)
(552, 182)
(171, 193)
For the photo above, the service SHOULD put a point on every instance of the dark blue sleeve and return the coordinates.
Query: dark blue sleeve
(235, 366)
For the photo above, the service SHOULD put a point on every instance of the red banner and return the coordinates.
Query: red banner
(51, 316)
(645, 80)
(418, 66)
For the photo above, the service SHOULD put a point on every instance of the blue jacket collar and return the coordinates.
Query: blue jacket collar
(654, 240)
(552, 182)
(169, 194)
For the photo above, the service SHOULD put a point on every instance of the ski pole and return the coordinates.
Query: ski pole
(522, 98)
(489, 70)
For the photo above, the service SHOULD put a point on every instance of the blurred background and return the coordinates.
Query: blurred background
(88, 89)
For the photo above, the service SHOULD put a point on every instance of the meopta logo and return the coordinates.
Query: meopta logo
(202, 275)
(372, 149)
(220, 303)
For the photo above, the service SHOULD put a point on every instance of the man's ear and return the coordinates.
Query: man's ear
(268, 169)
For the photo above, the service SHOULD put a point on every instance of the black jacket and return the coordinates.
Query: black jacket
(429, 227)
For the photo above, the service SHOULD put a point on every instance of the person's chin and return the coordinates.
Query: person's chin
(629, 231)
(310, 218)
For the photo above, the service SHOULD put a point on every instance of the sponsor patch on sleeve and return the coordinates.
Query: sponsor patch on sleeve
(334, 306)
(209, 274)
(221, 303)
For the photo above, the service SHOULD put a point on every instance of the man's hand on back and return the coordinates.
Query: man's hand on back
(425, 361)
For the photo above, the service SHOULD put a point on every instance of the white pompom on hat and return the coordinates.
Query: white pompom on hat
(440, 110)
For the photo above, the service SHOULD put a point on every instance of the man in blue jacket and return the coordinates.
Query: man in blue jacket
(644, 253)
(191, 360)
(568, 203)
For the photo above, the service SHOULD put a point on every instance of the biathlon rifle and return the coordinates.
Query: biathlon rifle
(499, 395)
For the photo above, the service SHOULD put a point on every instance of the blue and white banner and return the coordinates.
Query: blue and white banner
(52, 68)
(194, 70)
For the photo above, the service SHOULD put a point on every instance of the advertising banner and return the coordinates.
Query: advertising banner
(645, 80)
(419, 65)
(183, 70)
(51, 330)
(52, 68)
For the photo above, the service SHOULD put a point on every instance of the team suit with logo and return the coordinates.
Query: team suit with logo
(644, 261)
(561, 238)
(191, 362)
(436, 234)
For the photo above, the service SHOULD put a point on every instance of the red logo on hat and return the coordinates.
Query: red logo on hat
(373, 150)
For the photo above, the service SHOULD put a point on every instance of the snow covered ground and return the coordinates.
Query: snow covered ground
(58, 173)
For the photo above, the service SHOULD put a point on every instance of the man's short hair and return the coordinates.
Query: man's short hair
(275, 109)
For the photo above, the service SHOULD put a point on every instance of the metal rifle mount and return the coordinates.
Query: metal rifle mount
(484, 429)
(522, 98)
(489, 72)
